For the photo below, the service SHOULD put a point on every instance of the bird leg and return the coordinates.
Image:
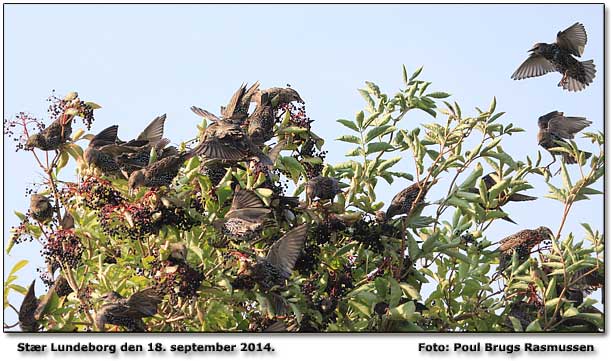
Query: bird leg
(564, 79)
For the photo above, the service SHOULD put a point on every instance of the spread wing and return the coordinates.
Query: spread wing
(204, 113)
(567, 127)
(213, 148)
(246, 199)
(105, 137)
(535, 65)
(234, 101)
(573, 39)
(543, 121)
(284, 252)
(154, 131)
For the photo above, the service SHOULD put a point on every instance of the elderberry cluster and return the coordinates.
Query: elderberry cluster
(57, 107)
(20, 128)
(98, 193)
(63, 246)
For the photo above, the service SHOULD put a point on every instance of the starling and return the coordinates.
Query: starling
(178, 253)
(406, 202)
(98, 152)
(490, 181)
(522, 243)
(261, 121)
(27, 321)
(60, 287)
(41, 208)
(555, 127)
(245, 217)
(128, 312)
(53, 136)
(277, 266)
(322, 188)
(237, 109)
(160, 173)
(280, 96)
(226, 141)
(558, 57)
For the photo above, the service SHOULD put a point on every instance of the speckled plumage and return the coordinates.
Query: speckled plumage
(558, 57)
(521, 242)
(53, 136)
(98, 154)
(281, 96)
(405, 202)
(322, 187)
(128, 312)
(160, 173)
(555, 127)
(245, 217)
(41, 208)
(261, 122)
(226, 141)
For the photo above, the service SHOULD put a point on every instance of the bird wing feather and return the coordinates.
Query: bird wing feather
(284, 252)
(154, 131)
(205, 114)
(567, 127)
(535, 65)
(573, 39)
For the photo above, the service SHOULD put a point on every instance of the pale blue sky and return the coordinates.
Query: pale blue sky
(142, 61)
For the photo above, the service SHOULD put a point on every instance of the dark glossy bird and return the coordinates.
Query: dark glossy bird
(277, 266)
(245, 217)
(407, 201)
(522, 243)
(27, 322)
(53, 136)
(160, 173)
(555, 127)
(41, 208)
(281, 96)
(128, 312)
(100, 152)
(490, 181)
(261, 121)
(559, 56)
(322, 188)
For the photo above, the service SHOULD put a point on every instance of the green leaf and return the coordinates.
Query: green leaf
(379, 131)
(405, 311)
(405, 78)
(534, 326)
(492, 106)
(416, 73)
(349, 124)
(93, 105)
(388, 163)
(19, 265)
(438, 95)
(350, 139)
(359, 119)
(377, 147)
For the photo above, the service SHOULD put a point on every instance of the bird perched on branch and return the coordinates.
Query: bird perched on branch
(98, 152)
(261, 121)
(490, 181)
(522, 243)
(408, 200)
(322, 187)
(160, 173)
(41, 208)
(27, 321)
(555, 127)
(245, 217)
(128, 312)
(281, 96)
(558, 56)
(53, 136)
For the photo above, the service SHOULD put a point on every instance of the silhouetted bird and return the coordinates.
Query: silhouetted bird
(245, 217)
(555, 127)
(278, 264)
(406, 201)
(522, 243)
(322, 188)
(490, 181)
(27, 322)
(281, 96)
(261, 121)
(53, 136)
(41, 208)
(558, 57)
(128, 312)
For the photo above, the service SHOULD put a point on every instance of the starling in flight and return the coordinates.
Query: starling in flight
(521, 242)
(41, 208)
(406, 202)
(237, 109)
(245, 217)
(555, 127)
(558, 56)
(53, 136)
(128, 312)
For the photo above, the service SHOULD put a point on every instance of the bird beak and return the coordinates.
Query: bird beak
(533, 49)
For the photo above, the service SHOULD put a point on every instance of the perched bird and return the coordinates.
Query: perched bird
(261, 121)
(322, 188)
(490, 181)
(558, 57)
(99, 152)
(555, 127)
(178, 253)
(128, 312)
(281, 96)
(27, 321)
(522, 243)
(245, 217)
(53, 136)
(237, 109)
(406, 201)
(41, 208)
(160, 173)
(278, 264)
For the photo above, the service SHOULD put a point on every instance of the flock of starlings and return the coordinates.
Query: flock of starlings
(237, 135)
